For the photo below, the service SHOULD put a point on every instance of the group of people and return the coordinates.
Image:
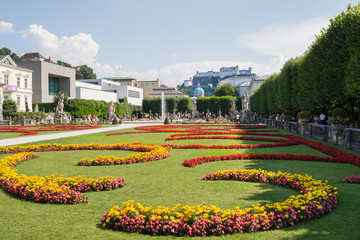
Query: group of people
(316, 119)
(90, 118)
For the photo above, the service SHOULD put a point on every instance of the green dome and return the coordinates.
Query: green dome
(199, 90)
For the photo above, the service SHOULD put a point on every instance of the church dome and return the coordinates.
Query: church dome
(199, 90)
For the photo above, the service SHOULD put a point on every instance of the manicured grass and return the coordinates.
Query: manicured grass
(166, 183)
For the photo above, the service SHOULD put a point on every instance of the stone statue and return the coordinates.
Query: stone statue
(245, 100)
(111, 112)
(245, 113)
(60, 116)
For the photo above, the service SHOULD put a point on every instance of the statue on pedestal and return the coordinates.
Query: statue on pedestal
(245, 113)
(111, 112)
(60, 116)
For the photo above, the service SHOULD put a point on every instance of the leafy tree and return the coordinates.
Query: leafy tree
(225, 90)
(63, 64)
(9, 108)
(187, 91)
(202, 104)
(184, 105)
(170, 104)
(6, 51)
(85, 72)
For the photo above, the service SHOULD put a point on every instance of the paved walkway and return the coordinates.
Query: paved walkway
(36, 138)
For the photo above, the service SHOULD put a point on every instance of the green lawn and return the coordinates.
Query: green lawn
(5, 135)
(166, 183)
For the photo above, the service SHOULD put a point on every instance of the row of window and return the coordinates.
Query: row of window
(146, 84)
(18, 81)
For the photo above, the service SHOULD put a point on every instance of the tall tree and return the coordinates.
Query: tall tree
(225, 90)
(85, 72)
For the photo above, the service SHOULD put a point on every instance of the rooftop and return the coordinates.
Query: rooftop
(121, 79)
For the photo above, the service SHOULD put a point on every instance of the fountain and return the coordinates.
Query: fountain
(163, 106)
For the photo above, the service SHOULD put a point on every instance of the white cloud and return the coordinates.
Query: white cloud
(6, 27)
(288, 40)
(82, 49)
(175, 74)
(77, 49)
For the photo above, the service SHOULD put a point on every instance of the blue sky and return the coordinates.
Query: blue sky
(164, 39)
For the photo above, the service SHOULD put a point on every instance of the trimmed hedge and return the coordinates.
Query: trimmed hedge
(81, 107)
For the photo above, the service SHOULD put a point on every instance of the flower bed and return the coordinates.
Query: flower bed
(316, 199)
(50, 189)
(45, 128)
(57, 189)
(352, 179)
(152, 153)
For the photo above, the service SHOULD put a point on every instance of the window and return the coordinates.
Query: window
(134, 94)
(152, 84)
(146, 84)
(26, 102)
(26, 83)
(18, 81)
(18, 101)
(53, 85)
(6, 79)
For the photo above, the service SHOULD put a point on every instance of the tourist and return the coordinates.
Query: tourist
(237, 118)
(316, 119)
(323, 119)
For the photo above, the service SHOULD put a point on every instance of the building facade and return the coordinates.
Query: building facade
(49, 79)
(148, 86)
(15, 84)
(108, 90)
(168, 92)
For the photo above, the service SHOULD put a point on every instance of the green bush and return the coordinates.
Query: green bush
(166, 121)
(115, 121)
(339, 112)
(9, 108)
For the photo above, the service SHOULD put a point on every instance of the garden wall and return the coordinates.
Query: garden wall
(350, 138)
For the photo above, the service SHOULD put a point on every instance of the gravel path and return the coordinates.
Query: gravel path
(36, 138)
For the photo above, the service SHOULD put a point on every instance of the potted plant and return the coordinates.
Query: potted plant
(338, 119)
(304, 116)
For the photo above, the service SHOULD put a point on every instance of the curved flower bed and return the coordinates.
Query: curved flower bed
(50, 189)
(68, 147)
(44, 128)
(316, 199)
(153, 153)
(352, 179)
(57, 189)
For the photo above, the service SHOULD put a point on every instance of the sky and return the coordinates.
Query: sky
(166, 39)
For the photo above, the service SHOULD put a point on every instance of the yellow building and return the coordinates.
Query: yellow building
(148, 86)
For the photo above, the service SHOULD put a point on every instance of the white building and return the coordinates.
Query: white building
(107, 90)
(187, 83)
(15, 83)
(229, 71)
(250, 86)
(245, 80)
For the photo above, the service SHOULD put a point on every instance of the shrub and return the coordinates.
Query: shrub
(9, 108)
(339, 112)
(166, 121)
(115, 121)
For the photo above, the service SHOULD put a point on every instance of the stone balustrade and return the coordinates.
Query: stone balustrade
(349, 138)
